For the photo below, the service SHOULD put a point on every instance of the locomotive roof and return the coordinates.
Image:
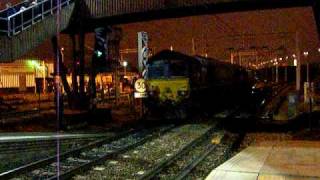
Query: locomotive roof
(174, 55)
(168, 54)
(216, 62)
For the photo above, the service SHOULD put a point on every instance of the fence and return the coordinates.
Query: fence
(14, 20)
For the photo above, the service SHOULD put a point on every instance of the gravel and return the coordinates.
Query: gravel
(136, 162)
(173, 169)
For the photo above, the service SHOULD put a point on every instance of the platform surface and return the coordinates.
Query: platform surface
(289, 160)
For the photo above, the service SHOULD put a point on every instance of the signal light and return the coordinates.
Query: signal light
(99, 53)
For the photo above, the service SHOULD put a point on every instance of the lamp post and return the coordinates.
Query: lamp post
(277, 70)
(44, 77)
(306, 53)
(125, 64)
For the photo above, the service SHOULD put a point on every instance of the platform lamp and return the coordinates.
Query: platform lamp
(125, 64)
(306, 53)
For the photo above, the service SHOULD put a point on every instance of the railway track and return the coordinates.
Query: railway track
(220, 153)
(75, 161)
(143, 160)
(215, 144)
(39, 145)
(162, 153)
(20, 152)
(183, 161)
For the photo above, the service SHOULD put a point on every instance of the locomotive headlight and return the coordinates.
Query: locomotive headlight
(153, 91)
(182, 93)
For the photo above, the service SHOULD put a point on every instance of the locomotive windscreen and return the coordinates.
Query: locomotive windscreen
(158, 69)
(167, 69)
(178, 68)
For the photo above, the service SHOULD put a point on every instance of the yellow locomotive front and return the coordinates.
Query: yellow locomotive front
(168, 87)
(173, 89)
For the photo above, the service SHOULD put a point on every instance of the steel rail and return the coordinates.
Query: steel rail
(88, 165)
(188, 168)
(38, 164)
(26, 146)
(165, 163)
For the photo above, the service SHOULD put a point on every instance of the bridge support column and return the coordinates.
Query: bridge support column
(75, 64)
(81, 63)
(114, 39)
(57, 83)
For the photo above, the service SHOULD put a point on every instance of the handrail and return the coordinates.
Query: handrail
(22, 20)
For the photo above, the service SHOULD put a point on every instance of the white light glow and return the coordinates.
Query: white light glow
(125, 63)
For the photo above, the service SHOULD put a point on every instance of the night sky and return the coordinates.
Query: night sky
(220, 32)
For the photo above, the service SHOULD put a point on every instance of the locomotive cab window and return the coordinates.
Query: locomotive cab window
(158, 69)
(178, 68)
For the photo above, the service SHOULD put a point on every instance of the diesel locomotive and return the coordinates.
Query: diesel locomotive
(179, 85)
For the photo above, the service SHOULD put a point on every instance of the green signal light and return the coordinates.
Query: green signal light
(99, 53)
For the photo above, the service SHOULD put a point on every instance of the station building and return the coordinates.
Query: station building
(21, 75)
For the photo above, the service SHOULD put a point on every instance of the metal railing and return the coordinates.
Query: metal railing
(24, 18)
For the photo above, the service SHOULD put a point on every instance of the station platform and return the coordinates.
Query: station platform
(288, 160)
(18, 137)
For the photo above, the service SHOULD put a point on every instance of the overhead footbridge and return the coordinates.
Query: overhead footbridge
(22, 30)
(126, 11)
